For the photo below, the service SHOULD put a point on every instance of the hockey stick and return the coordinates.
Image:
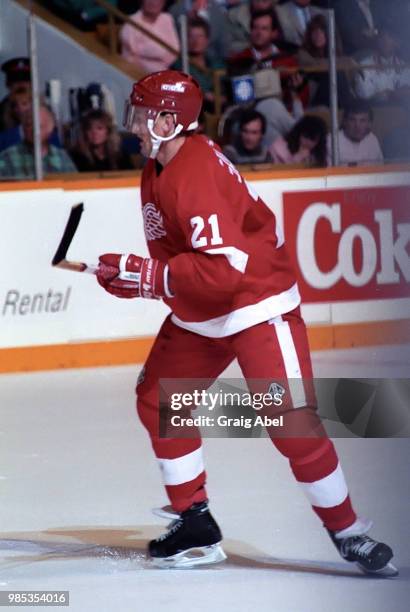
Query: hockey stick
(59, 260)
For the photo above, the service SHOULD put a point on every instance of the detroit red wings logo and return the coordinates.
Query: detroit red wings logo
(153, 222)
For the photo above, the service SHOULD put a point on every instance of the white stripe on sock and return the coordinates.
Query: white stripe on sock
(182, 469)
(328, 491)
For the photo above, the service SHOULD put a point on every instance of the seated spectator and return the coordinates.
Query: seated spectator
(294, 17)
(314, 52)
(268, 51)
(198, 43)
(358, 145)
(305, 144)
(357, 22)
(17, 72)
(140, 50)
(239, 23)
(18, 161)
(248, 148)
(84, 14)
(99, 145)
(19, 104)
(391, 83)
(214, 15)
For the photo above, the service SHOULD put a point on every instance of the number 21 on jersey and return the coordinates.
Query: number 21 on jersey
(200, 234)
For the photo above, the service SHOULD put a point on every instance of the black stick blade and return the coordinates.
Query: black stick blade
(70, 230)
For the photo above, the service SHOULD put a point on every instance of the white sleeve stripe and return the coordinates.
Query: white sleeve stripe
(238, 259)
(166, 285)
(123, 263)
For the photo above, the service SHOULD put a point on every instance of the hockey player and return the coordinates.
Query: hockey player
(218, 260)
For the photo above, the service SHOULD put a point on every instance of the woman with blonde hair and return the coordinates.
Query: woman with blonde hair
(98, 146)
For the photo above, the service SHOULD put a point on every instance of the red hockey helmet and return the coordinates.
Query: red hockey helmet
(167, 90)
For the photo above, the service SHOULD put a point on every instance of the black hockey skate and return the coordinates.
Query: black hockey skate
(193, 539)
(370, 556)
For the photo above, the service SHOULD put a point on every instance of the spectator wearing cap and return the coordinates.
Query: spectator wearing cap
(248, 147)
(138, 49)
(17, 73)
(294, 17)
(18, 161)
(389, 84)
(358, 145)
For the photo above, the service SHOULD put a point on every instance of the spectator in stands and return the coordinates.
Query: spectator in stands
(358, 145)
(305, 144)
(214, 15)
(248, 147)
(17, 72)
(357, 22)
(140, 50)
(198, 44)
(19, 104)
(294, 17)
(18, 161)
(314, 53)
(99, 145)
(391, 83)
(267, 50)
(239, 23)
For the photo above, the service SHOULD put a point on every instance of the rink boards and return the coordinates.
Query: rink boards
(348, 233)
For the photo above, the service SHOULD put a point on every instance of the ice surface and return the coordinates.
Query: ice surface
(78, 479)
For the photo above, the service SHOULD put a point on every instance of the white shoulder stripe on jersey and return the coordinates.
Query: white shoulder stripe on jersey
(237, 258)
(182, 469)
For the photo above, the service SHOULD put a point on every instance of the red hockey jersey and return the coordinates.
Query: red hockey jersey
(226, 255)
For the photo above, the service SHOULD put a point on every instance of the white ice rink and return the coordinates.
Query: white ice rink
(78, 479)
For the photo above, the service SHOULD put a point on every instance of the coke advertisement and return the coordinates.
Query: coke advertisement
(350, 244)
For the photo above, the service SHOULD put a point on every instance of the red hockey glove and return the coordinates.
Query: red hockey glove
(130, 276)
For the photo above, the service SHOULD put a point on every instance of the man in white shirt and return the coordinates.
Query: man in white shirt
(358, 145)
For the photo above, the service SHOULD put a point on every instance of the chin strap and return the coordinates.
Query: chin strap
(157, 140)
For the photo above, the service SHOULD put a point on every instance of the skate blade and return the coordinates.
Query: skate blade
(166, 512)
(193, 557)
(389, 571)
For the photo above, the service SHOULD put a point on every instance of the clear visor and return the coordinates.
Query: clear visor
(135, 117)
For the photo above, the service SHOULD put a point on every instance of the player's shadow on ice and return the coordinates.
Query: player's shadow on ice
(126, 547)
